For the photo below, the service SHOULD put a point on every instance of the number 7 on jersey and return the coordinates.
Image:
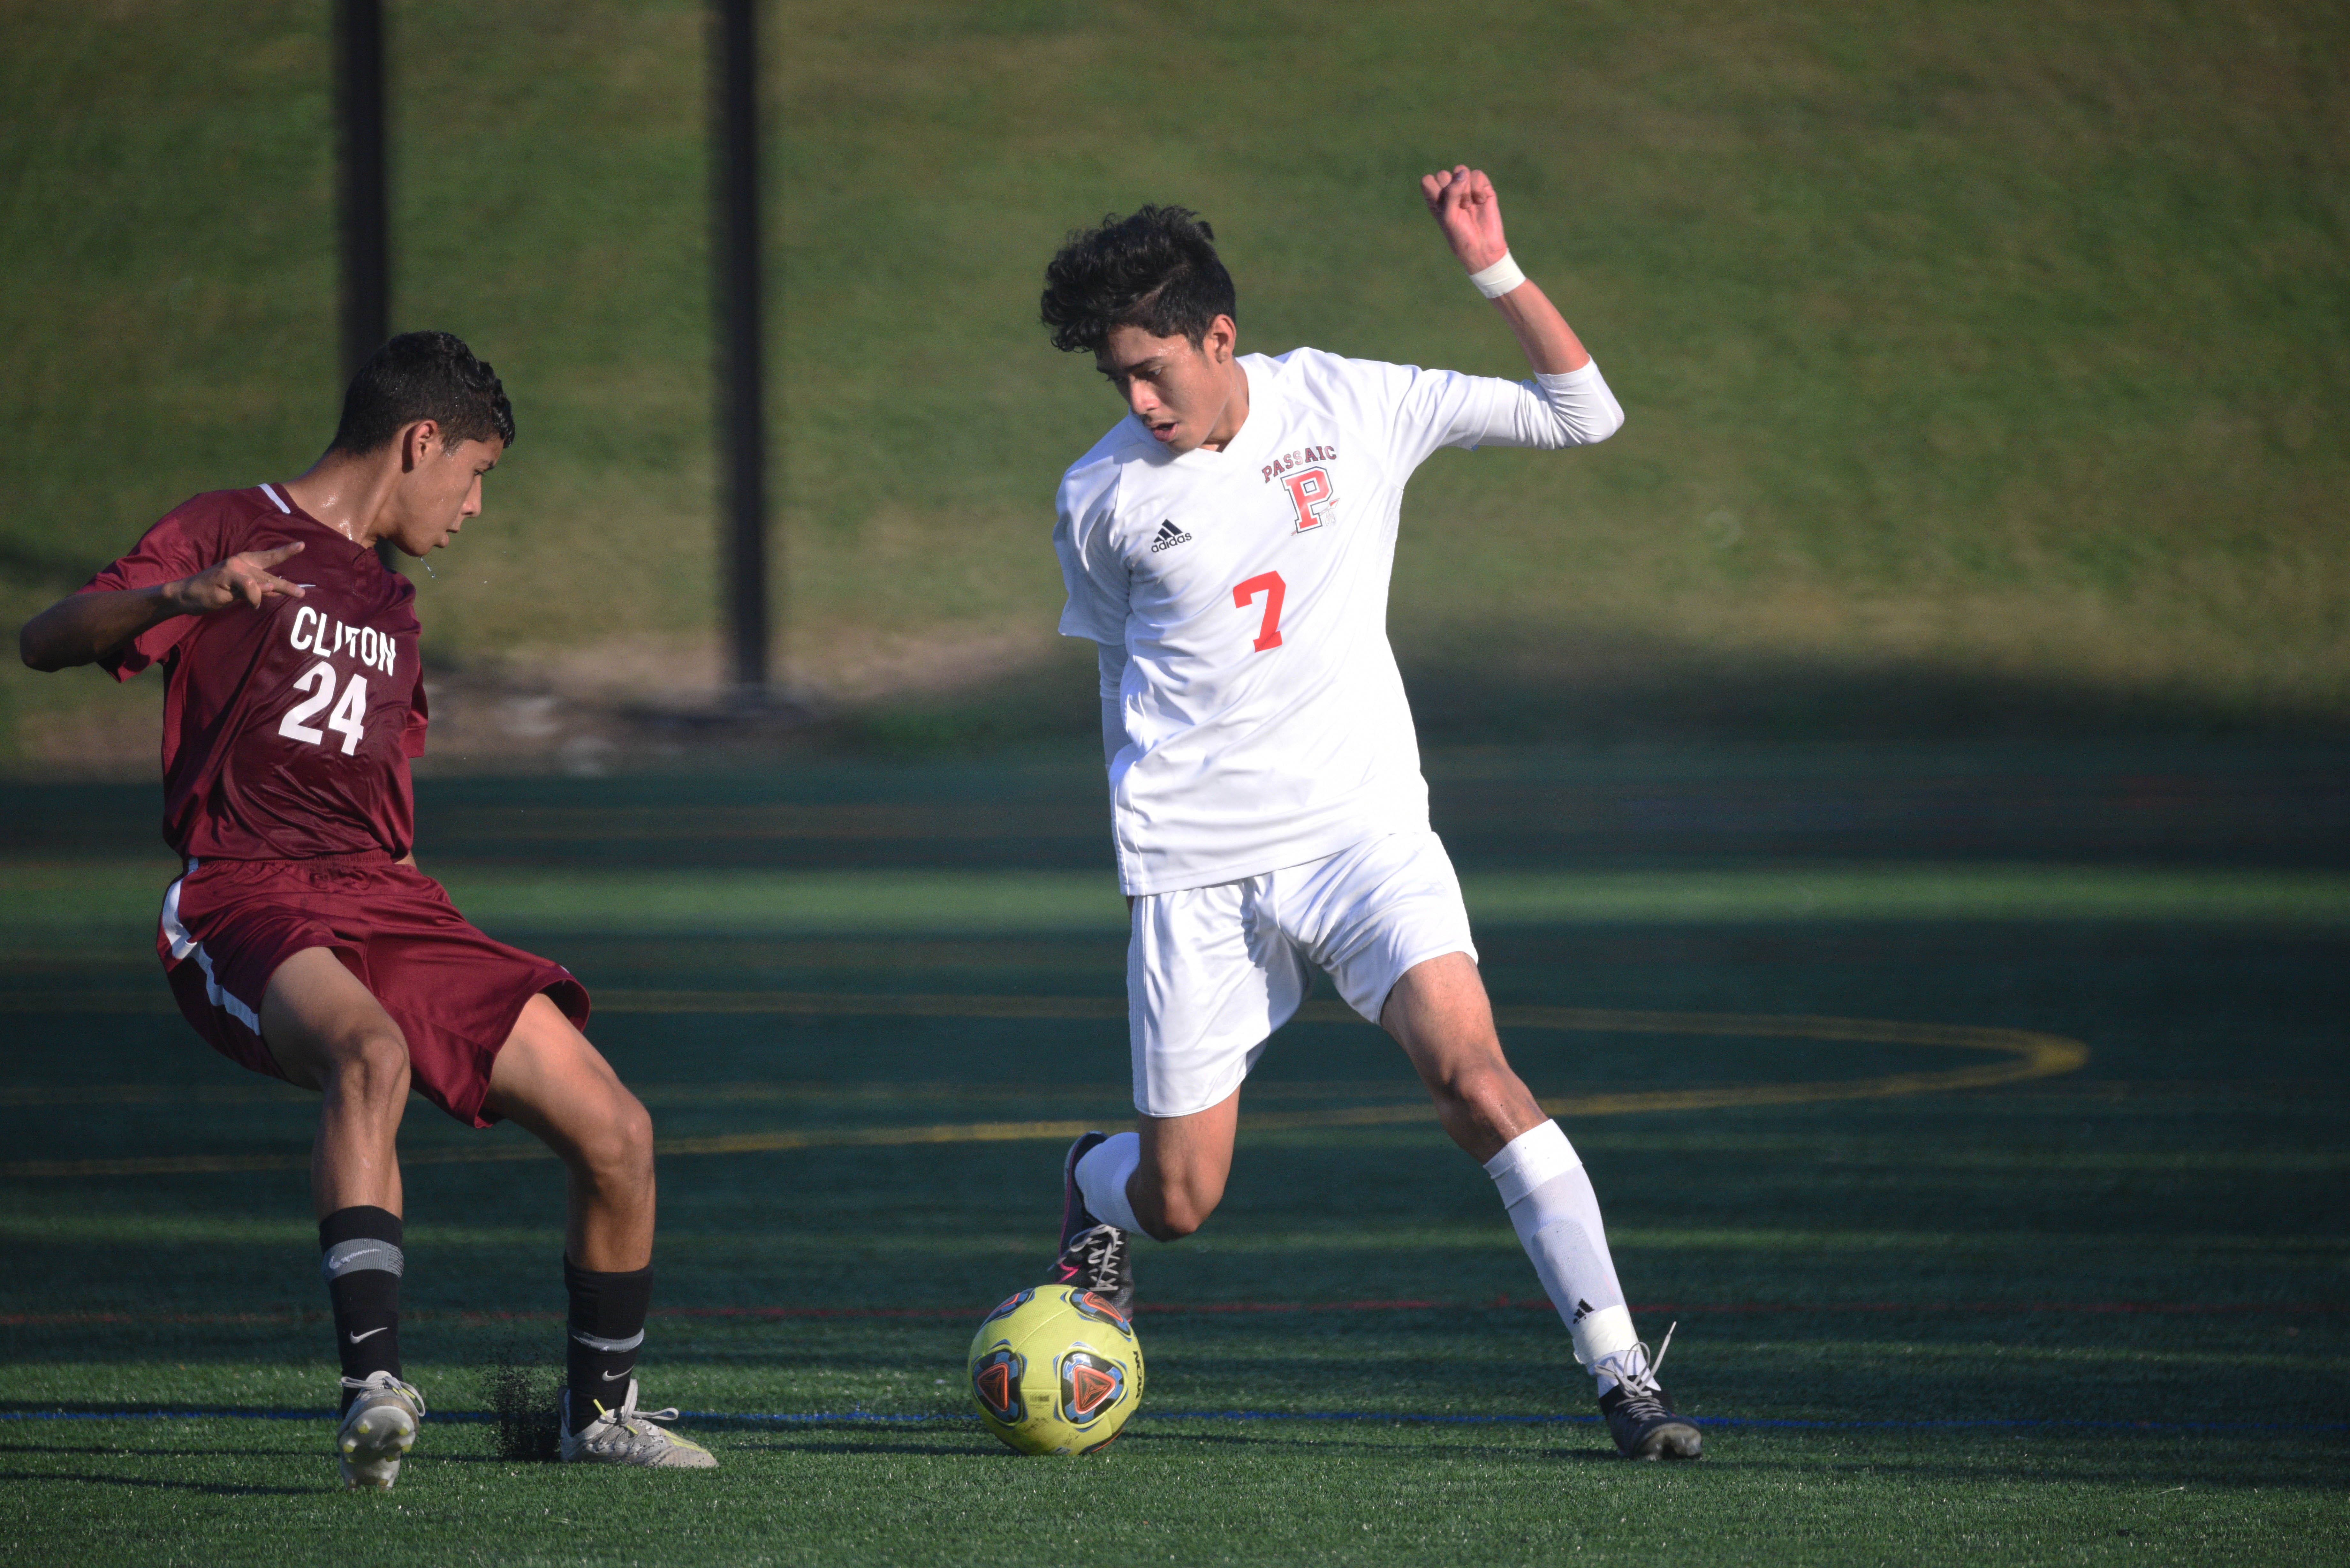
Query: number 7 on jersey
(1269, 584)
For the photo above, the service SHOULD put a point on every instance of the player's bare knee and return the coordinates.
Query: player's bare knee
(632, 1132)
(617, 1151)
(368, 1068)
(1483, 1095)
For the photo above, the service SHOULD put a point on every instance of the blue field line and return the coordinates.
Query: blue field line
(1388, 1417)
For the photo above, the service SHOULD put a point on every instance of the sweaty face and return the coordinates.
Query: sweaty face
(1184, 391)
(440, 492)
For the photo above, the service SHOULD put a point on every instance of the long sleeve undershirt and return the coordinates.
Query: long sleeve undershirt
(1574, 408)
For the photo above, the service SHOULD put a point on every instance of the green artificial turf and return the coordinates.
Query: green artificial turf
(100, 900)
(2103, 1316)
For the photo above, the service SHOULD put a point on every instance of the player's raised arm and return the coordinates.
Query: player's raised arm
(1462, 201)
(82, 628)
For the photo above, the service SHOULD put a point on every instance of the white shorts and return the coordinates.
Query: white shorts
(1211, 971)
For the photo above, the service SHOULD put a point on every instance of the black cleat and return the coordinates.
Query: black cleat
(1641, 1419)
(1094, 1255)
(1644, 1426)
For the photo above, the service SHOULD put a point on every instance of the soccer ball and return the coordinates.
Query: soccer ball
(1055, 1370)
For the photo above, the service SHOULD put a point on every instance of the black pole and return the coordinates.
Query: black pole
(742, 410)
(364, 185)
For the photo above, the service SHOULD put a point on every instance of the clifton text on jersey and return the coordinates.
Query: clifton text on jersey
(317, 632)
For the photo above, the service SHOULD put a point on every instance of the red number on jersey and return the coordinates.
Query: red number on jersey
(1309, 491)
(1269, 584)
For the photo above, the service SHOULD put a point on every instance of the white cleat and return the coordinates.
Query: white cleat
(627, 1437)
(378, 1430)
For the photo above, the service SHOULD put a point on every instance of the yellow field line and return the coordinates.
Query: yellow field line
(2027, 1055)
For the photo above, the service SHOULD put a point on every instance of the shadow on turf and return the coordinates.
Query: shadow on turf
(1516, 686)
(1329, 1444)
(947, 1450)
(212, 1489)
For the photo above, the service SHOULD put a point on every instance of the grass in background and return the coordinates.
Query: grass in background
(1961, 340)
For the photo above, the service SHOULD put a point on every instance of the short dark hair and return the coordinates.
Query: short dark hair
(423, 375)
(1156, 270)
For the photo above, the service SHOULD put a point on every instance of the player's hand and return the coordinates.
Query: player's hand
(243, 579)
(1462, 201)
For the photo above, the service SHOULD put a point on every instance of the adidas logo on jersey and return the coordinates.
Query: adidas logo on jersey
(1168, 537)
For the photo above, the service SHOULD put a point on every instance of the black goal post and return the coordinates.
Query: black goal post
(363, 185)
(742, 367)
(363, 188)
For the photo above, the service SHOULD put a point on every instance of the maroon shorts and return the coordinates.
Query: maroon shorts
(454, 992)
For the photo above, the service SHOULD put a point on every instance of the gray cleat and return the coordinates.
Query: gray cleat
(627, 1437)
(378, 1430)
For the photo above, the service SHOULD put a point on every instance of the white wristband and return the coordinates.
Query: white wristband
(1498, 279)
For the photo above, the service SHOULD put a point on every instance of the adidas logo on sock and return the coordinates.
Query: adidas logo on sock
(1583, 1309)
(1168, 537)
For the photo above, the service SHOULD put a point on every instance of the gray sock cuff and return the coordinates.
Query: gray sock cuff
(362, 1252)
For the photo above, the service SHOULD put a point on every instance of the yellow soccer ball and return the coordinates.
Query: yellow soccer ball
(1055, 1370)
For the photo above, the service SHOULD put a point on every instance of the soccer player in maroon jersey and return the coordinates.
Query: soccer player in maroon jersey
(302, 942)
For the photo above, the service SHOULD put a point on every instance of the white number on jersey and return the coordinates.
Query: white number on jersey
(348, 720)
(349, 716)
(295, 725)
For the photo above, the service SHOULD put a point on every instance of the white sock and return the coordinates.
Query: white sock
(1556, 1216)
(1102, 1176)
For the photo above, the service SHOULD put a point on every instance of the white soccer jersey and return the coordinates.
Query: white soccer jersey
(1240, 599)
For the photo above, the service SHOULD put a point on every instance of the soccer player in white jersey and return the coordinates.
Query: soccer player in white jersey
(1228, 546)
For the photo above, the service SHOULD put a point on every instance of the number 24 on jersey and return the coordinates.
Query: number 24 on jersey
(349, 720)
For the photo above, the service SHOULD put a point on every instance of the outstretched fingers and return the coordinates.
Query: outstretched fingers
(249, 577)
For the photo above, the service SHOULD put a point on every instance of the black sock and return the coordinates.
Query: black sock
(608, 1329)
(362, 1265)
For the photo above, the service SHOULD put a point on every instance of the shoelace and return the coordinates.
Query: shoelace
(1104, 1259)
(1642, 1394)
(384, 1380)
(1096, 1252)
(627, 1416)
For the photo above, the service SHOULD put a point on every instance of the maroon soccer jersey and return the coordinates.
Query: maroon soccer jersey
(286, 730)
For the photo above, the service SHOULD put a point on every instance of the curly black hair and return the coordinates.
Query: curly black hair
(1156, 270)
(423, 375)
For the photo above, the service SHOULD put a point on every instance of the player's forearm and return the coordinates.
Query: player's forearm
(1551, 344)
(87, 627)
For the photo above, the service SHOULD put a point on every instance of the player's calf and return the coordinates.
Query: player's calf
(1180, 1167)
(549, 1080)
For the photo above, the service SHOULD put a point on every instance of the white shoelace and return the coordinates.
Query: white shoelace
(1641, 1385)
(628, 1414)
(377, 1381)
